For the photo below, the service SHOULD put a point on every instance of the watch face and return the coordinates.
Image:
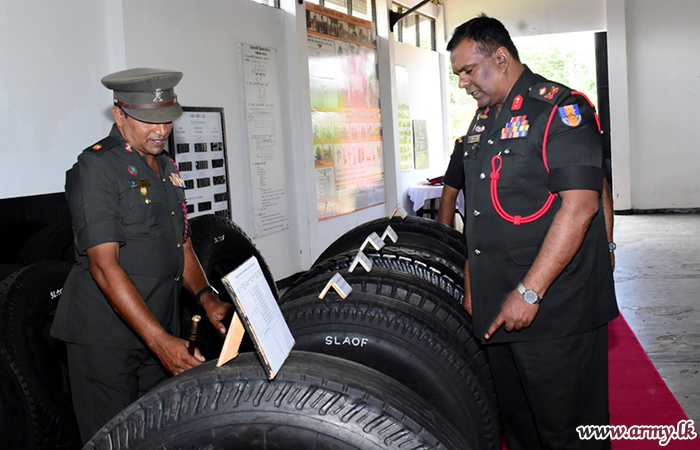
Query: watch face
(530, 296)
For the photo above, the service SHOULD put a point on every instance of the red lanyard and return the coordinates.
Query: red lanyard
(497, 163)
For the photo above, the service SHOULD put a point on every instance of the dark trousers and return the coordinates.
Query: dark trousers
(105, 380)
(545, 389)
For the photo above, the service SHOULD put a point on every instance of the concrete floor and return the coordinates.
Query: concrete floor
(657, 280)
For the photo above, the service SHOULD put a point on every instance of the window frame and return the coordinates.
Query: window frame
(415, 15)
(371, 3)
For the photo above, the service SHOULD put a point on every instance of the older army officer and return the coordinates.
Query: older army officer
(118, 313)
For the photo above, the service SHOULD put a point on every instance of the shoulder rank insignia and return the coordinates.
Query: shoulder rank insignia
(549, 92)
(517, 103)
(570, 115)
(516, 128)
(549, 95)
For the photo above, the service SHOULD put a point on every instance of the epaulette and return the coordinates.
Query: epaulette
(459, 140)
(103, 145)
(549, 92)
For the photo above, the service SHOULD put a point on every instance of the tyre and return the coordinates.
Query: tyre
(413, 232)
(397, 339)
(443, 314)
(221, 246)
(423, 263)
(28, 301)
(8, 269)
(16, 412)
(52, 243)
(314, 402)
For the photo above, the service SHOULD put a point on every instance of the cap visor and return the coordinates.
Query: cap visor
(159, 115)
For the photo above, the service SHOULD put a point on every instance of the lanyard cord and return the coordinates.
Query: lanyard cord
(497, 163)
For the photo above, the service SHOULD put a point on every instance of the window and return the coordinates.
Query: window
(273, 3)
(362, 9)
(414, 29)
(565, 58)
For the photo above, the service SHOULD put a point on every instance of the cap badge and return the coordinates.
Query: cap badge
(159, 94)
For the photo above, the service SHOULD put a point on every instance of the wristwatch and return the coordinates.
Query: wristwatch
(529, 295)
(612, 246)
(206, 290)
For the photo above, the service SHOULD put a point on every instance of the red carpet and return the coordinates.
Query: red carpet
(638, 394)
(640, 397)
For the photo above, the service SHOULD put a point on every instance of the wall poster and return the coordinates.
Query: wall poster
(403, 99)
(199, 144)
(420, 144)
(345, 112)
(265, 152)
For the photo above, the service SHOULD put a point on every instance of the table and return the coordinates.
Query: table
(421, 193)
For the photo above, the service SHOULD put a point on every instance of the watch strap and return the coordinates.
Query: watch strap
(202, 292)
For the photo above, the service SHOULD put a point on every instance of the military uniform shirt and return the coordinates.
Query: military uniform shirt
(454, 175)
(114, 196)
(501, 252)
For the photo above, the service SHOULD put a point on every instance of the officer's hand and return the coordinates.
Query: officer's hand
(612, 260)
(467, 302)
(174, 355)
(216, 310)
(515, 314)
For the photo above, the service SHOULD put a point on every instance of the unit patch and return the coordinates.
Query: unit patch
(516, 128)
(570, 115)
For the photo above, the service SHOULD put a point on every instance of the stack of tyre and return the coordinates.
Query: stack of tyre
(404, 318)
(392, 366)
(35, 405)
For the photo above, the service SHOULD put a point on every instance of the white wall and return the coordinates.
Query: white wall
(52, 105)
(424, 81)
(202, 40)
(664, 87)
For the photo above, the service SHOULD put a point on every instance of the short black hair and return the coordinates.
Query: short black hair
(488, 33)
